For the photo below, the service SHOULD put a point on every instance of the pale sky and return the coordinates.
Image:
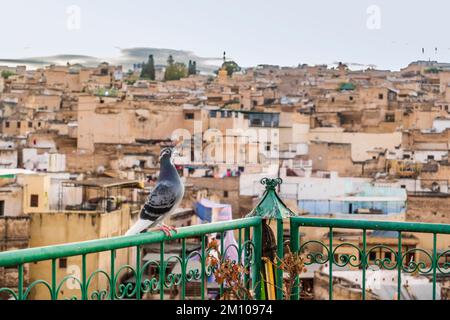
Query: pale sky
(283, 32)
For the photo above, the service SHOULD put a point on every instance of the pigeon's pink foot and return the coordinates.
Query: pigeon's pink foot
(166, 230)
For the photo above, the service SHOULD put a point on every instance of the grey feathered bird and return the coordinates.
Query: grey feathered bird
(163, 200)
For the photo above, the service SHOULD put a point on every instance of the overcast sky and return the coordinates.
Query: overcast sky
(388, 33)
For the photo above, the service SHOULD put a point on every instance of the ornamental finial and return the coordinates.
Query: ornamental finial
(271, 184)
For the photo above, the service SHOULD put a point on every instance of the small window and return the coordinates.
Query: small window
(372, 256)
(333, 99)
(7, 124)
(2, 208)
(430, 157)
(350, 98)
(403, 186)
(388, 255)
(18, 124)
(381, 96)
(30, 124)
(34, 201)
(63, 263)
(39, 124)
(225, 194)
(189, 116)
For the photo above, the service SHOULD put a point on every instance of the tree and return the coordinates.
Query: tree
(148, 69)
(192, 69)
(6, 74)
(175, 71)
(231, 67)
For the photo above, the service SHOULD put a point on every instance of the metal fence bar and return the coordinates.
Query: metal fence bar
(162, 271)
(183, 269)
(256, 272)
(434, 264)
(54, 297)
(14, 258)
(203, 276)
(364, 264)
(20, 282)
(330, 263)
(295, 247)
(112, 289)
(399, 266)
(138, 273)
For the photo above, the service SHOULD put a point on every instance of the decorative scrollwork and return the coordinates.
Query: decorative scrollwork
(445, 267)
(10, 293)
(100, 294)
(63, 281)
(347, 259)
(125, 290)
(149, 285)
(417, 266)
(315, 257)
(271, 183)
(384, 263)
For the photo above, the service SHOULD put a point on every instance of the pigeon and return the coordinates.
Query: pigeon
(163, 200)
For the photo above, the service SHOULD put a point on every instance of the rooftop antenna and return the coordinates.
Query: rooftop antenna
(224, 56)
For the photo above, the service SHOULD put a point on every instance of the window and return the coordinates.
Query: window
(380, 96)
(39, 124)
(34, 201)
(430, 157)
(225, 194)
(350, 98)
(7, 124)
(189, 116)
(18, 124)
(30, 124)
(372, 256)
(2, 208)
(332, 99)
(63, 263)
(388, 255)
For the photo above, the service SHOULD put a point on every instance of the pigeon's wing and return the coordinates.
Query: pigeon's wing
(160, 202)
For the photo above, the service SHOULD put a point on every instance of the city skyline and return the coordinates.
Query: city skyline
(387, 35)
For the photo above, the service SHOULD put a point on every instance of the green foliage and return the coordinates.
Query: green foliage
(231, 67)
(175, 70)
(148, 69)
(6, 74)
(107, 92)
(432, 70)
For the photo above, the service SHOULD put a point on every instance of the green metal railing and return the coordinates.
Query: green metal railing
(360, 258)
(245, 248)
(325, 253)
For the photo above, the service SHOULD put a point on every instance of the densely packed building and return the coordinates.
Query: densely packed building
(79, 146)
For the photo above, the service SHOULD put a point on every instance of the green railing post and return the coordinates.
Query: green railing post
(256, 274)
(203, 277)
(138, 273)
(330, 262)
(112, 290)
(280, 255)
(364, 264)
(162, 271)
(295, 247)
(434, 264)
(399, 266)
(183, 269)
(84, 289)
(20, 282)
(54, 297)
(246, 249)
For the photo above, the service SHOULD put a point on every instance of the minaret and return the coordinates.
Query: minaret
(223, 73)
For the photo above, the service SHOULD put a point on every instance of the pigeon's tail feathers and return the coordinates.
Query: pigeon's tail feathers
(139, 226)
